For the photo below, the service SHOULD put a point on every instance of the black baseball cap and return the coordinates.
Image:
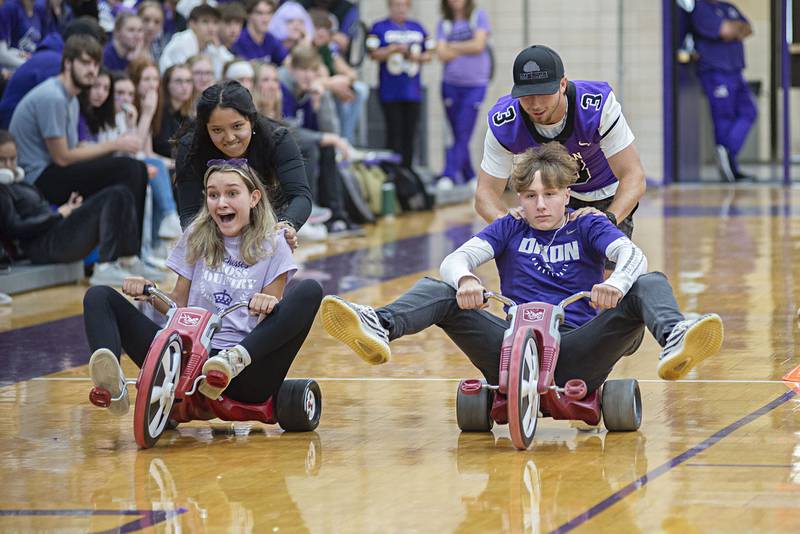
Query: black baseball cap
(537, 71)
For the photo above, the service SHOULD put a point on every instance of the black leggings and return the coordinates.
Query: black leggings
(114, 323)
(88, 177)
(402, 121)
(107, 218)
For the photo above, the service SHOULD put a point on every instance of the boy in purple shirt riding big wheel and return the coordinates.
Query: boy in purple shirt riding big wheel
(585, 117)
(545, 256)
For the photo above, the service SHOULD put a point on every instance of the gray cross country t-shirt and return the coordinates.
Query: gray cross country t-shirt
(46, 112)
(234, 281)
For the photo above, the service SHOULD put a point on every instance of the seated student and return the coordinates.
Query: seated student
(231, 253)
(26, 23)
(152, 15)
(97, 108)
(541, 257)
(233, 17)
(201, 37)
(127, 42)
(107, 219)
(307, 106)
(43, 64)
(45, 126)
(291, 25)
(241, 71)
(177, 92)
(342, 81)
(255, 41)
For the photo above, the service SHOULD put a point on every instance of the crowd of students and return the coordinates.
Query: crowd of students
(97, 96)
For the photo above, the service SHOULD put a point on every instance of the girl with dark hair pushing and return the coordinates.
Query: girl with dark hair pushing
(228, 127)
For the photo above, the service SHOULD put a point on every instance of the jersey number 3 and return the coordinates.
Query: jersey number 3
(594, 101)
(502, 117)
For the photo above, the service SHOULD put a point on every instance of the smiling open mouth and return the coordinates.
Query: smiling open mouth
(228, 217)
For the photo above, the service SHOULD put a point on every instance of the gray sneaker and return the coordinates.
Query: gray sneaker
(358, 327)
(227, 364)
(107, 374)
(690, 342)
(108, 274)
(139, 268)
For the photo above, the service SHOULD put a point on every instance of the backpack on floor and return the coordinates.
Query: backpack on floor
(354, 198)
(411, 192)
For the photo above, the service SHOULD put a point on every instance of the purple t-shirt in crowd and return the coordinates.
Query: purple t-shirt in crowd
(400, 82)
(470, 70)
(548, 266)
(270, 48)
(112, 60)
(234, 281)
(20, 30)
(581, 136)
(715, 53)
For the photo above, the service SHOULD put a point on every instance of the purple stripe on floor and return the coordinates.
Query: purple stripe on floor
(147, 518)
(664, 468)
(58, 345)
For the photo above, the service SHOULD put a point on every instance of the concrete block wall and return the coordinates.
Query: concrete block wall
(585, 32)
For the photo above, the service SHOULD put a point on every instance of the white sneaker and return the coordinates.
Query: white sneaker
(445, 183)
(170, 227)
(137, 267)
(107, 374)
(5, 299)
(690, 342)
(725, 167)
(110, 273)
(319, 215)
(358, 327)
(313, 232)
(225, 366)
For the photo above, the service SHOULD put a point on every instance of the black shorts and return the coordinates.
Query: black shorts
(626, 224)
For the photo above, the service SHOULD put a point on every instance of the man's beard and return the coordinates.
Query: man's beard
(77, 83)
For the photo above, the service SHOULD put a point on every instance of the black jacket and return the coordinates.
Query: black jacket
(292, 202)
(24, 212)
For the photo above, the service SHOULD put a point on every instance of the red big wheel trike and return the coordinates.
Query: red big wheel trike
(528, 359)
(167, 386)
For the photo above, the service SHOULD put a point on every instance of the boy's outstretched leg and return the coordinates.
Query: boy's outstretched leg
(358, 327)
(107, 374)
(690, 342)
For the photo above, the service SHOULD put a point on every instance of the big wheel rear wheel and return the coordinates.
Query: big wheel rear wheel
(523, 396)
(156, 390)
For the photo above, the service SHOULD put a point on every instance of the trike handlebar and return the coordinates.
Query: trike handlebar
(563, 304)
(574, 298)
(151, 290)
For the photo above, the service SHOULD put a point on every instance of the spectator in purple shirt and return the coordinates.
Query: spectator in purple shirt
(255, 41)
(462, 38)
(126, 43)
(233, 19)
(25, 23)
(719, 29)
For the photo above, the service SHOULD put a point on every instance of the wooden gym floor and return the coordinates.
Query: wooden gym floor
(717, 452)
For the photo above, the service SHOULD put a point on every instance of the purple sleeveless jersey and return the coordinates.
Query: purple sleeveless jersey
(515, 131)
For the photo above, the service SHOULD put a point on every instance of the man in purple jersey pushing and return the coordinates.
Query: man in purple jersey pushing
(585, 117)
(545, 256)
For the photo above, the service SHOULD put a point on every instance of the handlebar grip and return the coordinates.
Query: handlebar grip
(147, 289)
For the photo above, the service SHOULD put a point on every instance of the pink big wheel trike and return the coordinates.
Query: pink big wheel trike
(167, 384)
(528, 359)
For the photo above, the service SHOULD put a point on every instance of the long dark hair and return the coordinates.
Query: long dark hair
(98, 118)
(447, 11)
(261, 157)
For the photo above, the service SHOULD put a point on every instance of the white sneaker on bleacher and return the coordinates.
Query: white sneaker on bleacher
(108, 274)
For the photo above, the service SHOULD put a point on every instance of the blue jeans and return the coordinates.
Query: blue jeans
(350, 112)
(462, 105)
(163, 199)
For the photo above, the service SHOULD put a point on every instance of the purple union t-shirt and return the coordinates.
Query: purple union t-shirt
(548, 266)
(234, 281)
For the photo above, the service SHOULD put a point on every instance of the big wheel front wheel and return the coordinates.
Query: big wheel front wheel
(523, 396)
(156, 390)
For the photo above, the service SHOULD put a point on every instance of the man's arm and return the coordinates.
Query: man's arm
(488, 197)
(627, 167)
(735, 30)
(492, 179)
(62, 155)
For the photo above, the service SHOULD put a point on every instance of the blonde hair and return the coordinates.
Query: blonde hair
(270, 108)
(207, 242)
(557, 168)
